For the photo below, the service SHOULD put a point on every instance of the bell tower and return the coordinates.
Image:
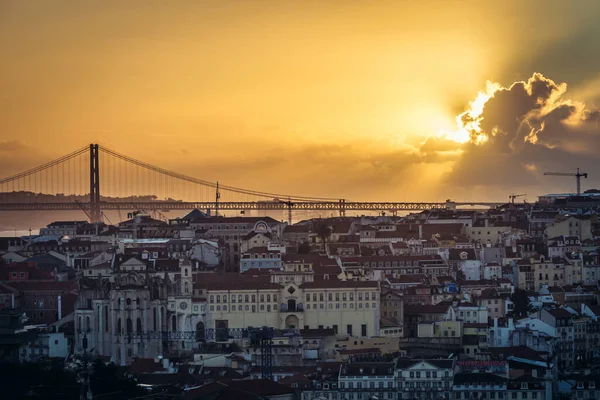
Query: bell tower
(185, 267)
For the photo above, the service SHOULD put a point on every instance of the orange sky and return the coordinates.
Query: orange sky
(324, 98)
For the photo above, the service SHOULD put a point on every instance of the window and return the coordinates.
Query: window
(239, 298)
(218, 299)
(212, 298)
(247, 298)
(330, 297)
(349, 329)
(307, 297)
(363, 330)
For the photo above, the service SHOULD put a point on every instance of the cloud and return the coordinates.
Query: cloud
(523, 130)
(11, 146)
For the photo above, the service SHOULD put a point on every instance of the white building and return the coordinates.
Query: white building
(416, 379)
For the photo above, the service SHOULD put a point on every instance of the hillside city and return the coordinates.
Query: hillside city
(500, 303)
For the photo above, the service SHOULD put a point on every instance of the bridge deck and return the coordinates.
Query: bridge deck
(250, 205)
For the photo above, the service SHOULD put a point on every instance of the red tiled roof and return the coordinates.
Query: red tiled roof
(296, 229)
(337, 284)
(259, 250)
(409, 278)
(43, 285)
(359, 351)
(440, 308)
(145, 366)
(391, 258)
(559, 313)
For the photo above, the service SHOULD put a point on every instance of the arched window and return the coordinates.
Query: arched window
(119, 330)
(88, 326)
(186, 287)
(129, 326)
(79, 327)
(139, 325)
(154, 318)
(174, 323)
(105, 318)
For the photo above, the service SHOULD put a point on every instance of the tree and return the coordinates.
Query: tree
(304, 248)
(108, 379)
(521, 303)
(324, 232)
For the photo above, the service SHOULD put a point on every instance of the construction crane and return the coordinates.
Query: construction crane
(577, 175)
(512, 197)
(289, 205)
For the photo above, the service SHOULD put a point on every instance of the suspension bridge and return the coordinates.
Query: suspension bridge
(94, 179)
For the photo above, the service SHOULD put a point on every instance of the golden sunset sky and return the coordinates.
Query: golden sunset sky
(354, 99)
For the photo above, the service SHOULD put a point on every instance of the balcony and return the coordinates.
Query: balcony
(291, 307)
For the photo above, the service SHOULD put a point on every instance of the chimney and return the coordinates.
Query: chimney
(59, 308)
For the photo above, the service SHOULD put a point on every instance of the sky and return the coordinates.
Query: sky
(387, 100)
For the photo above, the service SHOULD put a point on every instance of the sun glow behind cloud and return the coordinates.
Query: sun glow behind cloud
(469, 122)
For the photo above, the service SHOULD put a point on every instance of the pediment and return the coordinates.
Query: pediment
(133, 262)
(423, 365)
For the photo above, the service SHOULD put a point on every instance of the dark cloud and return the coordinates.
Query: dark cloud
(530, 127)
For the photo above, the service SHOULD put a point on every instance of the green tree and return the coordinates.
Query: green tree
(324, 233)
(304, 248)
(522, 306)
(108, 379)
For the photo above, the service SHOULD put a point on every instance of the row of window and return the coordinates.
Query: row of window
(371, 385)
(496, 395)
(262, 307)
(337, 306)
(428, 374)
(344, 296)
(241, 298)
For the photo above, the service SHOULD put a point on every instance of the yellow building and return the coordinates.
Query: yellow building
(548, 272)
(349, 307)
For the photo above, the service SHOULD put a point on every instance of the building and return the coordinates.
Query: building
(125, 317)
(350, 307)
(260, 258)
(363, 380)
(419, 379)
(570, 225)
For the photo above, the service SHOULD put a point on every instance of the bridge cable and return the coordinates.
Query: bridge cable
(211, 184)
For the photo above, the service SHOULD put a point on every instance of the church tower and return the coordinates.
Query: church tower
(185, 287)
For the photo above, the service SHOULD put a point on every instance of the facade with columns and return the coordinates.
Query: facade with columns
(110, 314)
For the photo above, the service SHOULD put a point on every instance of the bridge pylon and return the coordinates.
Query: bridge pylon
(95, 212)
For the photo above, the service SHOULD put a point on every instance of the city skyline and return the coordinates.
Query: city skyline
(333, 99)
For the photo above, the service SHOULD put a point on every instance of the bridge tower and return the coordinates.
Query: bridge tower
(95, 213)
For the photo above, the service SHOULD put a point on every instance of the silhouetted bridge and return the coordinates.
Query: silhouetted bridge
(73, 183)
